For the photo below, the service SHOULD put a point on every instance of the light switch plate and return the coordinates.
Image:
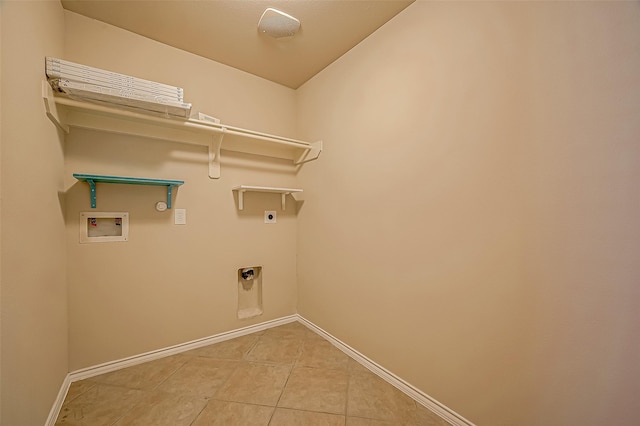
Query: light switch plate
(180, 216)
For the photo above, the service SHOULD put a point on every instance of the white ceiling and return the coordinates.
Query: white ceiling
(226, 31)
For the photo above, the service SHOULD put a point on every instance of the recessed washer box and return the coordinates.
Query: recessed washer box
(104, 227)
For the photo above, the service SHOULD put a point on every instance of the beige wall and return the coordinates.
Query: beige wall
(471, 226)
(473, 222)
(0, 210)
(33, 284)
(170, 284)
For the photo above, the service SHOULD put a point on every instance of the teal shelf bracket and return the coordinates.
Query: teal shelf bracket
(169, 191)
(93, 179)
(92, 192)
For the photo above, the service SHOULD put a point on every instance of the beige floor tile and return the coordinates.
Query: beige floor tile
(290, 330)
(101, 405)
(255, 383)
(232, 413)
(286, 375)
(276, 350)
(427, 417)
(199, 376)
(311, 335)
(316, 389)
(322, 354)
(287, 417)
(359, 421)
(78, 388)
(234, 349)
(373, 398)
(164, 409)
(143, 376)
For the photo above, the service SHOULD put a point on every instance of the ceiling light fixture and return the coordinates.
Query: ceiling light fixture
(278, 24)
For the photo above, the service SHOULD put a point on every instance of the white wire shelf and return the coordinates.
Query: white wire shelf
(67, 113)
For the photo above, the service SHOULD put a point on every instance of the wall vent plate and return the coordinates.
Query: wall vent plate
(270, 217)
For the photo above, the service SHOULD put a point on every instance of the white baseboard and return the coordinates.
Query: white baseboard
(108, 367)
(57, 404)
(420, 397)
(416, 394)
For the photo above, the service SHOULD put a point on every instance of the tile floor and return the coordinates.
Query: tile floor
(286, 375)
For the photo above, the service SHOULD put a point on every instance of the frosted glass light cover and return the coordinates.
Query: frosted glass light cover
(278, 24)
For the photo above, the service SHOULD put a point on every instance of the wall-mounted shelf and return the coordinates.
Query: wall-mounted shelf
(93, 179)
(247, 188)
(68, 113)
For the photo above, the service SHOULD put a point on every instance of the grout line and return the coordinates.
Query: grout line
(200, 413)
(239, 364)
(285, 385)
(253, 345)
(93, 384)
(146, 393)
(319, 412)
(346, 403)
(169, 376)
(288, 377)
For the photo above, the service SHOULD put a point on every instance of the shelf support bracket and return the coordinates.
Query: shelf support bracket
(282, 191)
(214, 155)
(169, 191)
(92, 192)
(51, 108)
(241, 199)
(309, 154)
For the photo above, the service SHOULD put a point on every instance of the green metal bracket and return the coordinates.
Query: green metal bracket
(92, 192)
(93, 179)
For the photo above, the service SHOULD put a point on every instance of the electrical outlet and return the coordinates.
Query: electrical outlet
(269, 217)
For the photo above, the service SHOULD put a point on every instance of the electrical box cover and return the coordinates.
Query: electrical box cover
(103, 227)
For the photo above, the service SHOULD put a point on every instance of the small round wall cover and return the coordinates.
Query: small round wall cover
(161, 206)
